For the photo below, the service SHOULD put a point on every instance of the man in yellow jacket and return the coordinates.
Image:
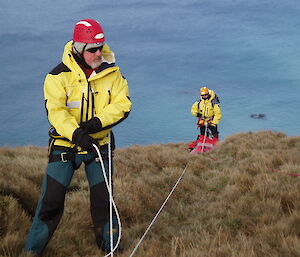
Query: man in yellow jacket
(208, 111)
(85, 96)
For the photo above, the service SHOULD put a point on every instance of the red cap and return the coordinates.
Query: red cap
(88, 31)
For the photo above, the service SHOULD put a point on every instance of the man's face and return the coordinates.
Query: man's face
(204, 97)
(93, 57)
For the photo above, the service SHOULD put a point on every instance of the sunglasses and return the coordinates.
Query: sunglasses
(205, 95)
(94, 50)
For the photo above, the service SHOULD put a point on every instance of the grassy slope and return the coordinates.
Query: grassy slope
(229, 203)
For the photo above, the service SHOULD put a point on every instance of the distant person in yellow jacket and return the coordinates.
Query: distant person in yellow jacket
(208, 111)
(85, 96)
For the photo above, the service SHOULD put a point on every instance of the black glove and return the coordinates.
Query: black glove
(81, 138)
(199, 115)
(91, 126)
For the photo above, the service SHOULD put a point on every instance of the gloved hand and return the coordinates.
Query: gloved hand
(199, 115)
(81, 138)
(91, 126)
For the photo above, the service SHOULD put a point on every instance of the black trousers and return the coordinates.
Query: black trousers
(213, 130)
(51, 204)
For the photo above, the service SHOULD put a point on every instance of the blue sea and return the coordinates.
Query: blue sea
(247, 51)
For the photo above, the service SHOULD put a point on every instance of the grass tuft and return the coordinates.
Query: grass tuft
(230, 202)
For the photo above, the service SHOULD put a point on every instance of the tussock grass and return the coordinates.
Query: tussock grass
(237, 200)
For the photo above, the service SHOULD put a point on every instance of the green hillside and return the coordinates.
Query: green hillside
(242, 199)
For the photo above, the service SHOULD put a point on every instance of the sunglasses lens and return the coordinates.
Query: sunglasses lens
(94, 50)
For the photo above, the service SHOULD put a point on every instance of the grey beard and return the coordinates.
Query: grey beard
(95, 65)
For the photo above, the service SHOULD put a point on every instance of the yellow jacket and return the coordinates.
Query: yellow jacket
(71, 98)
(208, 109)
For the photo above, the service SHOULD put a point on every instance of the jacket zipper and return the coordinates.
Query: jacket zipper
(93, 102)
(88, 103)
(82, 106)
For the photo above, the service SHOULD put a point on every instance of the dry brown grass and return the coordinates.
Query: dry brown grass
(236, 200)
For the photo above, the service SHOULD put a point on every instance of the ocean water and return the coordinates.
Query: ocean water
(247, 51)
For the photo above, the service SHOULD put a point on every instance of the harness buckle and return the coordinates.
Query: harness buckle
(63, 157)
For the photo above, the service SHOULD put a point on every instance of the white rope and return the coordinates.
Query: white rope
(111, 200)
(159, 211)
(204, 139)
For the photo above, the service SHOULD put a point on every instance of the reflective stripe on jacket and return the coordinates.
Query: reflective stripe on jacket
(209, 108)
(71, 98)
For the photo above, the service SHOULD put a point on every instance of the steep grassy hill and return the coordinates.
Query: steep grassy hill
(241, 199)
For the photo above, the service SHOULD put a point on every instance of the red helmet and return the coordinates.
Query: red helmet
(88, 31)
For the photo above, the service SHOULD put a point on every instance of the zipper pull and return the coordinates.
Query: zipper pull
(108, 91)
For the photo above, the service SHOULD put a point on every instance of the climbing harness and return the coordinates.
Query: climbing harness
(108, 182)
(159, 211)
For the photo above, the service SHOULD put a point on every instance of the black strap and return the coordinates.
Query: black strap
(63, 157)
(97, 159)
(53, 134)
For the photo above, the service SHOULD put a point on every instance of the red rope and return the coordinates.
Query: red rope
(291, 174)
